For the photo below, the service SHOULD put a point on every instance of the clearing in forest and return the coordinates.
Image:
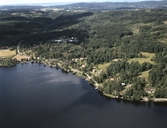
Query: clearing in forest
(145, 75)
(147, 58)
(7, 53)
(103, 66)
(19, 57)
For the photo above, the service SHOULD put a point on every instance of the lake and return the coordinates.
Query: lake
(34, 96)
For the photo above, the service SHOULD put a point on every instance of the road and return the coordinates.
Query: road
(18, 47)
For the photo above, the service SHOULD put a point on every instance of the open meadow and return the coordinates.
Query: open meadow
(19, 57)
(147, 58)
(7, 53)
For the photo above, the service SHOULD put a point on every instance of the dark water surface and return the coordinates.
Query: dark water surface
(34, 96)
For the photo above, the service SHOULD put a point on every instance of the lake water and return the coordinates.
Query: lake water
(34, 96)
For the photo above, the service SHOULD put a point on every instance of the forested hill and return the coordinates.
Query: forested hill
(124, 51)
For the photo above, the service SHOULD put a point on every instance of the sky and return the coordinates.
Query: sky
(4, 2)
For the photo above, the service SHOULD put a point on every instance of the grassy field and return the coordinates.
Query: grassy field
(142, 60)
(135, 28)
(19, 57)
(145, 75)
(148, 54)
(103, 66)
(7, 53)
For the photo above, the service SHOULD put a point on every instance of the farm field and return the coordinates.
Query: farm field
(7, 53)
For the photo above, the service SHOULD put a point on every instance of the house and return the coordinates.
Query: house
(84, 65)
(112, 79)
(29, 58)
(2, 57)
(149, 90)
(123, 84)
(71, 41)
(93, 70)
(82, 58)
(76, 59)
(129, 86)
(116, 60)
(58, 41)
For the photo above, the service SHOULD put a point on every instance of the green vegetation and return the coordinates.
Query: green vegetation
(5, 57)
(145, 75)
(7, 62)
(103, 66)
(124, 51)
(145, 57)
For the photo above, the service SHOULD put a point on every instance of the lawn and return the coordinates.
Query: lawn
(142, 60)
(7, 53)
(150, 55)
(145, 75)
(103, 66)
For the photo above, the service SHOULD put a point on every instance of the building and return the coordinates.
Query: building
(149, 90)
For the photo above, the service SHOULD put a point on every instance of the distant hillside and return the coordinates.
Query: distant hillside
(115, 5)
(92, 5)
(22, 7)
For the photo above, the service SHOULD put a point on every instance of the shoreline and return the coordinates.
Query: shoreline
(95, 84)
(144, 99)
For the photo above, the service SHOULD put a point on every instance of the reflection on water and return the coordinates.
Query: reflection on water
(34, 96)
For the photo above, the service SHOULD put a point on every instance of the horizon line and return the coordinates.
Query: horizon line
(66, 3)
